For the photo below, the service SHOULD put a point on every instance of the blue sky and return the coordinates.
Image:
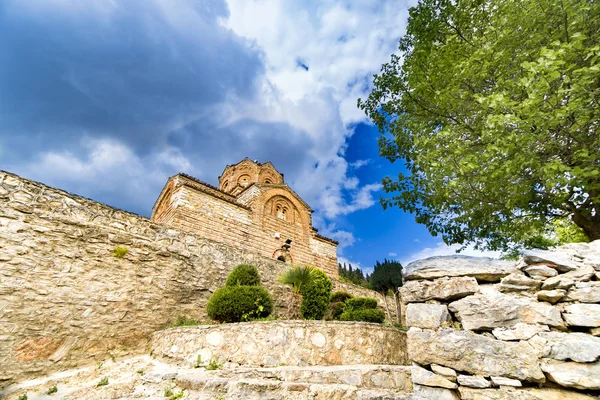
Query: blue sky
(108, 98)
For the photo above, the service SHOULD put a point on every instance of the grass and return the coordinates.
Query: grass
(184, 321)
(22, 397)
(169, 394)
(52, 390)
(120, 251)
(213, 365)
(103, 382)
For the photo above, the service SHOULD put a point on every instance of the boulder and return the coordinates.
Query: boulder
(475, 354)
(481, 268)
(517, 282)
(429, 316)
(540, 271)
(582, 315)
(551, 296)
(473, 381)
(502, 381)
(421, 376)
(438, 289)
(427, 393)
(519, 331)
(584, 292)
(565, 281)
(447, 373)
(506, 393)
(579, 347)
(494, 310)
(561, 261)
(572, 374)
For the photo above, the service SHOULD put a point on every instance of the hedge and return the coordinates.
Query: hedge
(243, 275)
(360, 303)
(239, 303)
(340, 297)
(364, 315)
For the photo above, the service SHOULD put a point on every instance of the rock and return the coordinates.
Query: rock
(439, 289)
(595, 331)
(561, 261)
(551, 296)
(475, 354)
(571, 374)
(582, 315)
(447, 373)
(519, 331)
(429, 316)
(579, 347)
(505, 393)
(428, 393)
(540, 271)
(473, 381)
(585, 292)
(481, 268)
(496, 310)
(502, 381)
(421, 376)
(565, 281)
(517, 282)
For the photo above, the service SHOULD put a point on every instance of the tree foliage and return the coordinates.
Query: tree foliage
(245, 275)
(316, 295)
(387, 278)
(353, 275)
(493, 106)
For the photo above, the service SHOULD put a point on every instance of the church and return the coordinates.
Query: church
(253, 209)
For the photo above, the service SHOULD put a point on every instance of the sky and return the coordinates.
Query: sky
(108, 98)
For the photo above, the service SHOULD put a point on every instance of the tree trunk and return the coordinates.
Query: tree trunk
(387, 309)
(590, 226)
(398, 311)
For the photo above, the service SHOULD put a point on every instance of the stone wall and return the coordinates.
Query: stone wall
(66, 299)
(278, 343)
(488, 329)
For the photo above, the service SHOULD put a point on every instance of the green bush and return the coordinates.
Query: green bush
(360, 303)
(364, 315)
(315, 296)
(334, 311)
(243, 275)
(340, 297)
(239, 303)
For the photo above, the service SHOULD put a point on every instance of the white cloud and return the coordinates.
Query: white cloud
(442, 249)
(359, 163)
(392, 254)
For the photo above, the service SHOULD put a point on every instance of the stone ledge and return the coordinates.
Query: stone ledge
(278, 343)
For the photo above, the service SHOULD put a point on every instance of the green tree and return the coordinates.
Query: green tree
(387, 278)
(493, 107)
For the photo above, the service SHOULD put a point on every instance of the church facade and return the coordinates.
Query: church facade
(253, 210)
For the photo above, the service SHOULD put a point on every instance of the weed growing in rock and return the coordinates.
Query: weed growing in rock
(22, 397)
(214, 365)
(120, 251)
(198, 362)
(183, 321)
(169, 394)
(103, 382)
(52, 390)
(140, 372)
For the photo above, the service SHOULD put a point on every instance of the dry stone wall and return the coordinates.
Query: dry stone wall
(487, 329)
(66, 299)
(278, 343)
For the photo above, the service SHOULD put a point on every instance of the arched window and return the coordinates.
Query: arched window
(281, 258)
(268, 181)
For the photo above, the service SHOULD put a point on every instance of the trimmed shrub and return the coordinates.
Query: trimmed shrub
(239, 303)
(340, 297)
(364, 315)
(243, 275)
(334, 311)
(360, 303)
(315, 296)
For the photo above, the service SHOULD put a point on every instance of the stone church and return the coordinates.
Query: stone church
(252, 209)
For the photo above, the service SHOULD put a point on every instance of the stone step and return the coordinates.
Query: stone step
(387, 377)
(265, 389)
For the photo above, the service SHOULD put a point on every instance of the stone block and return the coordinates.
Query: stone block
(565, 281)
(579, 347)
(475, 354)
(572, 374)
(421, 376)
(481, 268)
(438, 289)
(494, 310)
(561, 261)
(478, 382)
(540, 271)
(506, 393)
(502, 381)
(427, 393)
(429, 316)
(447, 373)
(584, 292)
(519, 331)
(518, 282)
(551, 296)
(582, 315)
